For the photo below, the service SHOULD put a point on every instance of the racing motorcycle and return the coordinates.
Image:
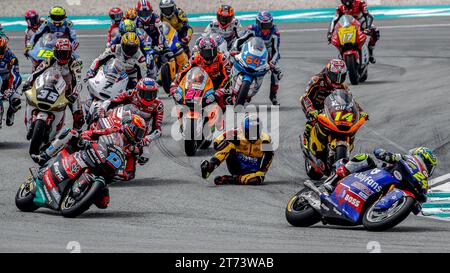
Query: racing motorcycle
(72, 182)
(332, 137)
(248, 71)
(42, 50)
(110, 81)
(173, 60)
(353, 45)
(46, 104)
(198, 113)
(378, 199)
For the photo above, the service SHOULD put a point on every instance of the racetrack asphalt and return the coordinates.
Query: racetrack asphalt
(169, 208)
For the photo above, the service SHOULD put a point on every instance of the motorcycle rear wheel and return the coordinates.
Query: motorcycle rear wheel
(400, 213)
(299, 213)
(352, 67)
(72, 208)
(24, 199)
(37, 138)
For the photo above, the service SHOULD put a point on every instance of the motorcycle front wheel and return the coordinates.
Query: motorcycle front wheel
(24, 198)
(166, 77)
(243, 93)
(72, 207)
(37, 138)
(376, 220)
(352, 67)
(299, 212)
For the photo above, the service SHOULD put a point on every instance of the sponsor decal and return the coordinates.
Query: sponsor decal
(58, 173)
(398, 175)
(369, 181)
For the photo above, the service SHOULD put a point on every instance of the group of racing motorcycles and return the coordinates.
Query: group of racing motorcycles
(122, 116)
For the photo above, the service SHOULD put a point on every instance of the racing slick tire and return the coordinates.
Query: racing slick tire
(352, 68)
(400, 213)
(71, 207)
(299, 212)
(166, 77)
(364, 76)
(37, 138)
(243, 93)
(341, 152)
(24, 199)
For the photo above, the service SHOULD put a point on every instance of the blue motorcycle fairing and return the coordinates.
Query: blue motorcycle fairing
(389, 199)
(242, 69)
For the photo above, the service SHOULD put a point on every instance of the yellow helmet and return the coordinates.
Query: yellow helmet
(129, 44)
(57, 15)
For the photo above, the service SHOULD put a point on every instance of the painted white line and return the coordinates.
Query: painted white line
(282, 31)
(439, 180)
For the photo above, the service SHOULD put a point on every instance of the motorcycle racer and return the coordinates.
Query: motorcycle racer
(131, 14)
(225, 24)
(151, 23)
(131, 133)
(34, 22)
(214, 63)
(70, 68)
(116, 15)
(128, 54)
(11, 80)
(424, 160)
(359, 10)
(265, 29)
(247, 152)
(56, 24)
(177, 18)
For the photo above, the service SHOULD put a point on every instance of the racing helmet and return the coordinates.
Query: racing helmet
(62, 51)
(57, 16)
(144, 11)
(347, 3)
(3, 46)
(116, 14)
(133, 128)
(264, 21)
(336, 73)
(147, 90)
(131, 14)
(129, 44)
(252, 128)
(225, 15)
(208, 49)
(428, 158)
(32, 18)
(167, 7)
(127, 26)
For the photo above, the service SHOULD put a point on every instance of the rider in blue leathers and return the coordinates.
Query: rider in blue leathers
(145, 43)
(58, 25)
(10, 81)
(151, 23)
(265, 29)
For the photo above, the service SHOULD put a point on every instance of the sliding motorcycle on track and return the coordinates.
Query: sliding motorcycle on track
(72, 182)
(198, 112)
(378, 199)
(353, 46)
(249, 68)
(332, 137)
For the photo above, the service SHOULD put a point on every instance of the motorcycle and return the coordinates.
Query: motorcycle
(332, 137)
(378, 199)
(353, 45)
(248, 71)
(42, 50)
(172, 61)
(199, 112)
(46, 104)
(110, 81)
(72, 182)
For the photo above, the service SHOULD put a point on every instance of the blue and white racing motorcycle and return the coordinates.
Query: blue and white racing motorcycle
(379, 199)
(249, 68)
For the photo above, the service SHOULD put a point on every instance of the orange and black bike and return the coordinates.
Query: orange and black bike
(333, 134)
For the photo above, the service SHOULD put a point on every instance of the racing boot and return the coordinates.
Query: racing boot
(207, 167)
(273, 94)
(226, 180)
(372, 59)
(14, 106)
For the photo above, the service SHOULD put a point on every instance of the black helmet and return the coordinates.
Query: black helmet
(252, 128)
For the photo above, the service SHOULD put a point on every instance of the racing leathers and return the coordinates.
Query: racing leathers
(135, 66)
(272, 42)
(153, 116)
(217, 71)
(247, 161)
(154, 29)
(10, 81)
(2, 33)
(230, 33)
(113, 33)
(180, 23)
(30, 31)
(360, 12)
(63, 31)
(71, 73)
(312, 101)
(145, 45)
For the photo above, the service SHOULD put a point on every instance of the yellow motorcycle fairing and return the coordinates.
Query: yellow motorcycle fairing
(347, 35)
(59, 105)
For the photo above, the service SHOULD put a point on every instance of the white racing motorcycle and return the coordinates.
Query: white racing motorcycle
(110, 81)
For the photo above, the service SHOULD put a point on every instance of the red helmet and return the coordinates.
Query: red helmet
(208, 49)
(225, 15)
(144, 11)
(3, 46)
(63, 50)
(147, 90)
(116, 14)
(32, 18)
(336, 72)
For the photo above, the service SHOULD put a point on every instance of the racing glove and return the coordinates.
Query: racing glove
(89, 74)
(364, 115)
(312, 115)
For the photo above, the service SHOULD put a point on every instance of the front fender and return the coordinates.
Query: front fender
(393, 196)
(350, 53)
